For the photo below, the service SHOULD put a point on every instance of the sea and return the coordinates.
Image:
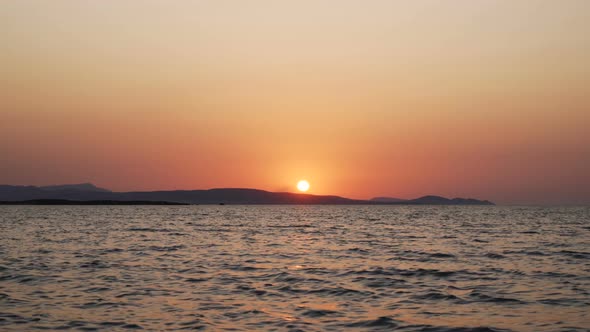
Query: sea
(294, 268)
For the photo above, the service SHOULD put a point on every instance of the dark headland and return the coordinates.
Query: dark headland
(88, 194)
(72, 202)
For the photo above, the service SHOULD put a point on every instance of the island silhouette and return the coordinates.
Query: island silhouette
(89, 194)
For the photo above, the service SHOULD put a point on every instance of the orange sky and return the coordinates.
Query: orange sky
(487, 99)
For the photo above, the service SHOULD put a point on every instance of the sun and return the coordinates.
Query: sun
(303, 186)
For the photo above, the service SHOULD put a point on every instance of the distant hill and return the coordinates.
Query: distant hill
(89, 192)
(70, 202)
(430, 200)
(236, 196)
(438, 200)
(68, 191)
(79, 187)
(387, 200)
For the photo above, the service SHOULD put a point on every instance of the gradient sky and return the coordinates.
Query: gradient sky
(486, 99)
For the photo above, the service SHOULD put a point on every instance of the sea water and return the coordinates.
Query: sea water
(295, 268)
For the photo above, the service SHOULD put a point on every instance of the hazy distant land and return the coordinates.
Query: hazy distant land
(72, 202)
(88, 194)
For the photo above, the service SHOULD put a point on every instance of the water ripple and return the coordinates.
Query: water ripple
(294, 268)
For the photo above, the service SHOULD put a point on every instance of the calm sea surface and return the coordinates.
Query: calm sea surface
(299, 268)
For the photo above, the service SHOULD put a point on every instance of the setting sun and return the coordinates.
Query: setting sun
(303, 185)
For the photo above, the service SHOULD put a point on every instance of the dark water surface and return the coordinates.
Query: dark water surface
(308, 268)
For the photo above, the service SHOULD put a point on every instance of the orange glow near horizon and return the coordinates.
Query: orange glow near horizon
(367, 98)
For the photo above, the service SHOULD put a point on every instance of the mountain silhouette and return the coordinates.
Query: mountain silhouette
(71, 202)
(89, 192)
(79, 187)
(438, 200)
(387, 200)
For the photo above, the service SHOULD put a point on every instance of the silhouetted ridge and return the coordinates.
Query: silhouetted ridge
(238, 196)
(101, 202)
(438, 200)
(89, 192)
(387, 200)
(80, 187)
